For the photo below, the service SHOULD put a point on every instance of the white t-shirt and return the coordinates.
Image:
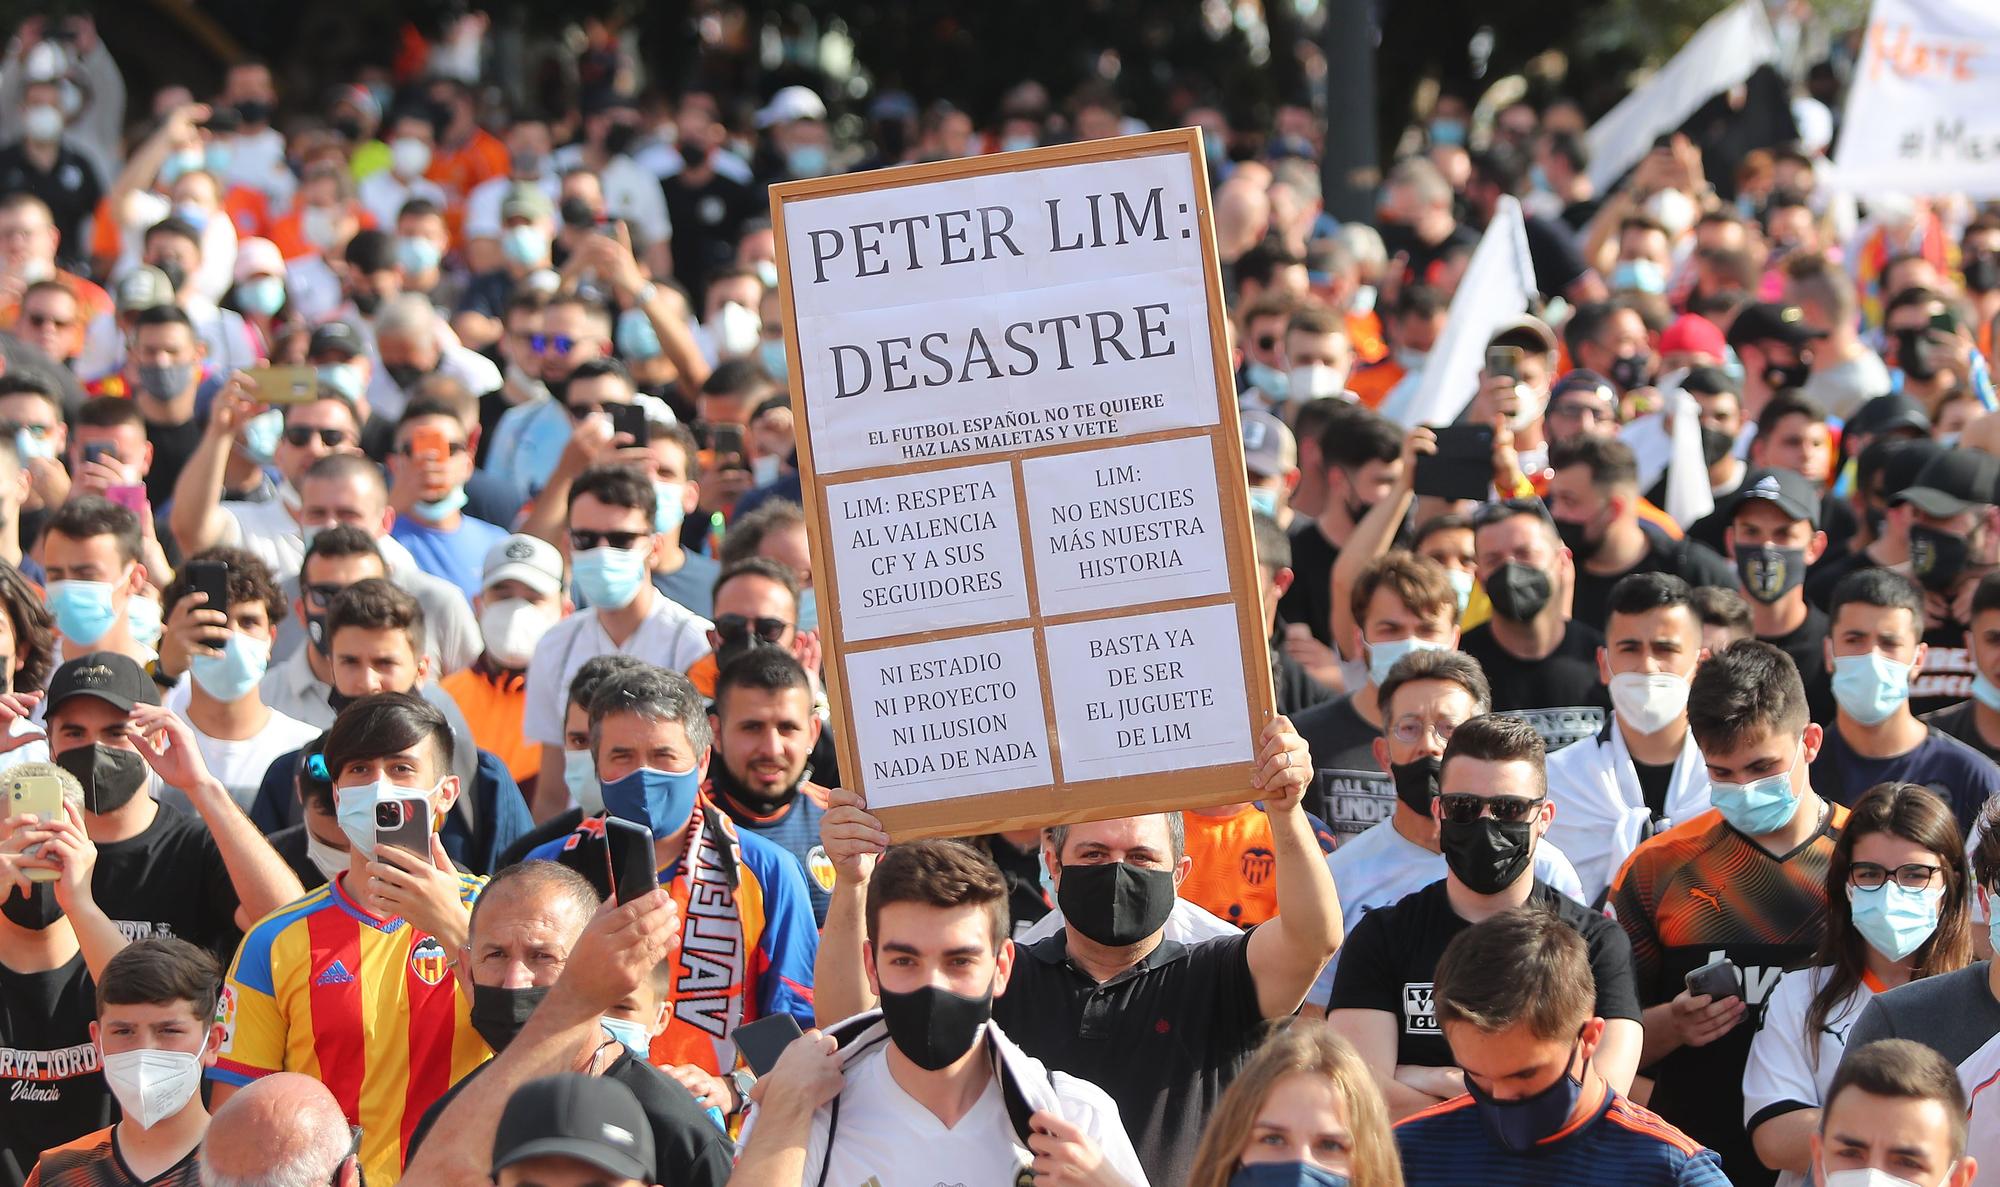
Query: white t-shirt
(238, 765)
(268, 532)
(1379, 867)
(1779, 1071)
(671, 637)
(1601, 813)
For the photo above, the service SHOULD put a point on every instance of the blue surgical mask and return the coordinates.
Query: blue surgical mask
(1517, 1126)
(218, 156)
(580, 776)
(142, 618)
(344, 378)
(194, 216)
(1461, 585)
(417, 255)
(662, 801)
(1870, 688)
(668, 511)
(1265, 500)
(83, 610)
(1285, 1174)
(232, 675)
(260, 435)
(1275, 384)
(436, 509)
(808, 610)
(1760, 806)
(609, 577)
(632, 1035)
(1986, 691)
(1538, 177)
(1383, 656)
(1446, 131)
(30, 446)
(1018, 142)
(771, 353)
(523, 245)
(1893, 920)
(181, 163)
(635, 336)
(1641, 275)
(807, 160)
(261, 296)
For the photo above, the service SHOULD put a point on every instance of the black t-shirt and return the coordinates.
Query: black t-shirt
(1807, 647)
(1162, 1039)
(1961, 721)
(1296, 690)
(1427, 259)
(555, 828)
(169, 881)
(1349, 791)
(708, 220)
(1310, 599)
(1948, 670)
(1692, 561)
(51, 1087)
(71, 189)
(1552, 251)
(487, 294)
(686, 1145)
(1653, 783)
(1338, 737)
(1390, 959)
(1566, 676)
(172, 446)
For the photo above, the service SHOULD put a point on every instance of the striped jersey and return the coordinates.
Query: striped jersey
(93, 1160)
(366, 1006)
(1619, 1142)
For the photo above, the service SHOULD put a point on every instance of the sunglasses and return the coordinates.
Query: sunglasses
(300, 436)
(1461, 808)
(551, 343)
(734, 628)
(582, 541)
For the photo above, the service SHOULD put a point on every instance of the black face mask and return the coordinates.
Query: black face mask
(1768, 572)
(733, 648)
(338, 700)
(1576, 538)
(366, 303)
(405, 375)
(1916, 355)
(1417, 782)
(1937, 558)
(934, 1027)
(175, 274)
(1632, 370)
(618, 139)
(316, 631)
(111, 775)
(253, 112)
(1115, 904)
(347, 126)
(1778, 377)
(1487, 855)
(1356, 512)
(37, 910)
(499, 1014)
(1517, 592)
(1982, 272)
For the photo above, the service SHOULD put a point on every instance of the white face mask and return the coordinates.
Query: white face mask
(325, 858)
(1315, 381)
(736, 330)
(1870, 1177)
(580, 776)
(511, 629)
(1528, 408)
(1648, 702)
(150, 1085)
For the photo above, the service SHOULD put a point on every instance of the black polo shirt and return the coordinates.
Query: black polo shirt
(1162, 1039)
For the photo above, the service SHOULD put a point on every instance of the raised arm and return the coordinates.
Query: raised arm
(1287, 952)
(198, 520)
(853, 840)
(1374, 534)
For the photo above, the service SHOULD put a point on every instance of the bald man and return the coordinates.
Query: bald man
(284, 1128)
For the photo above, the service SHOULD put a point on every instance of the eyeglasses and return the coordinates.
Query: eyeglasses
(1866, 875)
(300, 436)
(1460, 808)
(1411, 730)
(456, 447)
(734, 628)
(1500, 509)
(551, 343)
(582, 541)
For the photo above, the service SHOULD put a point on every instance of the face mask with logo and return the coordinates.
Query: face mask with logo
(1115, 904)
(1894, 920)
(110, 775)
(354, 810)
(580, 776)
(661, 800)
(1518, 1125)
(234, 674)
(498, 1015)
(1760, 806)
(1383, 656)
(932, 1026)
(1870, 688)
(1518, 593)
(511, 629)
(416, 255)
(261, 296)
(1285, 1174)
(1937, 558)
(83, 610)
(1648, 701)
(151, 1085)
(1768, 572)
(609, 577)
(325, 858)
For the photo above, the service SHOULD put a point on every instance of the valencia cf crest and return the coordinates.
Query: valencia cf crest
(427, 961)
(819, 867)
(1767, 575)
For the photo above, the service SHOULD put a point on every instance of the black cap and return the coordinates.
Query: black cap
(1886, 414)
(1768, 322)
(371, 250)
(1787, 489)
(1710, 381)
(1903, 458)
(115, 679)
(335, 337)
(594, 1120)
(1953, 481)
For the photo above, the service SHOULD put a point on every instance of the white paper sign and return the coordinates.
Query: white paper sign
(1151, 692)
(955, 718)
(989, 314)
(1923, 109)
(1121, 527)
(925, 552)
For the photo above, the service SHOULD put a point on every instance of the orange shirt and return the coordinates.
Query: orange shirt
(90, 301)
(1235, 864)
(493, 704)
(459, 170)
(1364, 333)
(1371, 384)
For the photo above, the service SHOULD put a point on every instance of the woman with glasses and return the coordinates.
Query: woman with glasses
(1897, 892)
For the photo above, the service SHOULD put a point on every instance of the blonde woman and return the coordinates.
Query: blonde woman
(1303, 1113)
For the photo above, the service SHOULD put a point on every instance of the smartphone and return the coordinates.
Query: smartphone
(132, 498)
(97, 451)
(727, 440)
(1462, 467)
(629, 856)
(576, 213)
(1946, 321)
(405, 825)
(608, 227)
(285, 385)
(211, 578)
(429, 442)
(1504, 362)
(761, 1042)
(629, 419)
(1718, 979)
(40, 795)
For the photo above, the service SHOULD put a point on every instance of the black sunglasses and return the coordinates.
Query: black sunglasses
(1460, 808)
(301, 436)
(582, 541)
(732, 628)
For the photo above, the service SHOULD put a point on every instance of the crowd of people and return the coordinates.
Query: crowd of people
(400, 511)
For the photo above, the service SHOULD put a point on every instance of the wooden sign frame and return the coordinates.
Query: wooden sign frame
(1061, 801)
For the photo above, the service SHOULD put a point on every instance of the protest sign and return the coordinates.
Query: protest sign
(1920, 115)
(1024, 481)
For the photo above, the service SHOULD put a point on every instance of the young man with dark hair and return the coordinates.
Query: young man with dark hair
(430, 467)
(1746, 881)
(1594, 498)
(1895, 1111)
(1725, 616)
(90, 551)
(1296, 690)
(1492, 808)
(156, 1031)
(395, 1031)
(1774, 538)
(922, 1082)
(162, 375)
(1534, 657)
(1531, 1038)
(1874, 649)
(761, 775)
(581, 792)
(1361, 454)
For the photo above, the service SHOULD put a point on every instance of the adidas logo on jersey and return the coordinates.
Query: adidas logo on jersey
(334, 974)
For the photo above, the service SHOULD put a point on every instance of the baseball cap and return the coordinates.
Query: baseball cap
(334, 338)
(1532, 326)
(1886, 414)
(530, 560)
(593, 1119)
(1692, 334)
(1955, 480)
(1710, 381)
(115, 679)
(258, 257)
(525, 199)
(144, 287)
(1767, 321)
(1268, 446)
(791, 103)
(1787, 489)
(1584, 379)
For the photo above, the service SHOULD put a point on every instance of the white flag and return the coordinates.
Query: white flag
(1689, 495)
(1923, 110)
(1499, 282)
(1721, 54)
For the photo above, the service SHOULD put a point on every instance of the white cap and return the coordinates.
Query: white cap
(792, 103)
(258, 257)
(530, 560)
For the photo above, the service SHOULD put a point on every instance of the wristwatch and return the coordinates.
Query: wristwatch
(741, 1079)
(645, 295)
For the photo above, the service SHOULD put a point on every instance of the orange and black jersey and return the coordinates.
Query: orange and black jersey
(93, 1160)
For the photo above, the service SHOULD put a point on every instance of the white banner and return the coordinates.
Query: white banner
(1923, 109)
(1496, 288)
(1721, 54)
